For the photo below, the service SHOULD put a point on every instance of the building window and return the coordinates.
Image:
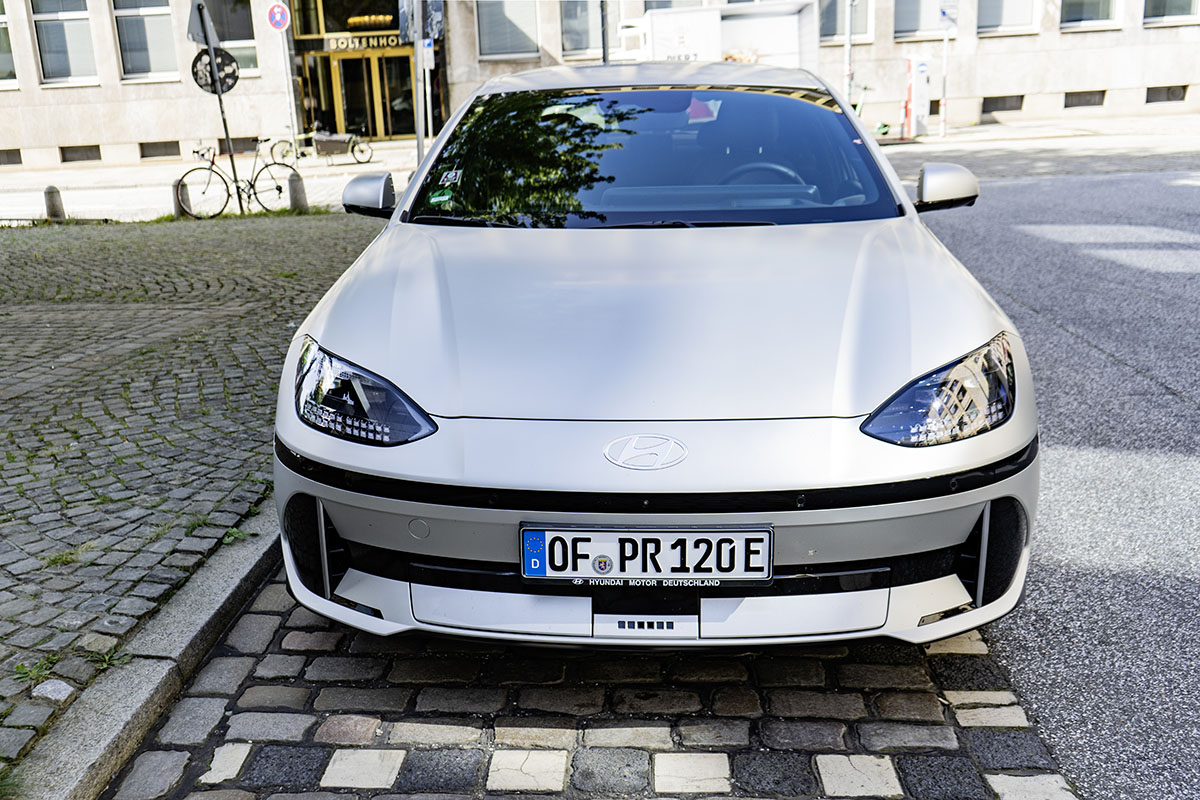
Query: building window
(159, 149)
(64, 39)
(1082, 99)
(917, 16)
(1166, 94)
(507, 27)
(7, 71)
(997, 15)
(355, 16)
(1082, 12)
(581, 25)
(1157, 9)
(1007, 102)
(86, 152)
(231, 18)
(241, 144)
(9, 157)
(651, 5)
(833, 18)
(145, 37)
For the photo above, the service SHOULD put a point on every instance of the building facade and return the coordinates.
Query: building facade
(1006, 59)
(110, 80)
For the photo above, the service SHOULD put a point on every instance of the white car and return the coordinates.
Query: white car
(659, 355)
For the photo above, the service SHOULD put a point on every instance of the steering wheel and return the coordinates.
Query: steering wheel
(761, 166)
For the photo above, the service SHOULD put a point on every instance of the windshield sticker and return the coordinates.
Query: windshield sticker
(440, 196)
(452, 176)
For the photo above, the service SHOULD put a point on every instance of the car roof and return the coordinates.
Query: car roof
(655, 73)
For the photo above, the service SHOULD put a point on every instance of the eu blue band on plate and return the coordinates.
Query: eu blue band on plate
(534, 551)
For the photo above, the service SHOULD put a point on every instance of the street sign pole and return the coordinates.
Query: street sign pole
(943, 106)
(216, 78)
(280, 18)
(604, 30)
(849, 6)
(291, 88)
(426, 69)
(948, 12)
(418, 36)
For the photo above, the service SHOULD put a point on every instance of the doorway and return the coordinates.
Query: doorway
(373, 93)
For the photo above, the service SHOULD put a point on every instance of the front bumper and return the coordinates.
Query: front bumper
(917, 560)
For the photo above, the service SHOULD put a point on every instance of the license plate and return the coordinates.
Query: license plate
(662, 556)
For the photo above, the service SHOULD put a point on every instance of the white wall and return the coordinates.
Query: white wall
(1042, 64)
(117, 113)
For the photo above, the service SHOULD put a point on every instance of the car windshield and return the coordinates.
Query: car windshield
(674, 157)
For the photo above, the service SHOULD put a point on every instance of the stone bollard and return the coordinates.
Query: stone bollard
(54, 205)
(179, 198)
(299, 199)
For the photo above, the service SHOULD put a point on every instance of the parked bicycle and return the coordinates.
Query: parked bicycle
(204, 192)
(322, 143)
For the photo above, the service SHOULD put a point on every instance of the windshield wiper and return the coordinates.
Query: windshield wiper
(729, 223)
(475, 222)
(652, 223)
(679, 223)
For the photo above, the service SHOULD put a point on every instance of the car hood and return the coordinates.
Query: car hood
(755, 322)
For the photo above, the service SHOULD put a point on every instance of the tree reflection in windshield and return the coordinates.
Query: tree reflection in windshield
(551, 155)
(704, 155)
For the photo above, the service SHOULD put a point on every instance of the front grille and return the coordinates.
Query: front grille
(321, 569)
(322, 558)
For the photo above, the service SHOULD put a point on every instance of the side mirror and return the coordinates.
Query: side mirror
(945, 186)
(371, 194)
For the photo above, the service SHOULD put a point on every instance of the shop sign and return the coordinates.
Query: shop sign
(349, 42)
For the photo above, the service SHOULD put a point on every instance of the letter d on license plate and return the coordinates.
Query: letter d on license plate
(742, 554)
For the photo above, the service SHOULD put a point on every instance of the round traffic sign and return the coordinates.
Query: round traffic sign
(278, 16)
(227, 71)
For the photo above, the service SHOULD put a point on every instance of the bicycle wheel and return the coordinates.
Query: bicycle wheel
(271, 187)
(361, 151)
(202, 193)
(282, 151)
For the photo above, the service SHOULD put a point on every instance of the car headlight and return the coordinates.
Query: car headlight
(967, 397)
(346, 401)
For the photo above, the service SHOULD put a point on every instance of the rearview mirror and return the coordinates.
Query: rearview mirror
(371, 194)
(945, 186)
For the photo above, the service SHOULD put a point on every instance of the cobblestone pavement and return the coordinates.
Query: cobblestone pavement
(291, 705)
(139, 368)
(138, 365)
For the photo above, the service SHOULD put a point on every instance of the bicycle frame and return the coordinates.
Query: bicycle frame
(243, 186)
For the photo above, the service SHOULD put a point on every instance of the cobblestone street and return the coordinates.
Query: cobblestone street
(291, 703)
(139, 365)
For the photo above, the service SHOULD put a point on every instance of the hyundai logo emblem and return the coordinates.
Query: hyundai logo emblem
(645, 451)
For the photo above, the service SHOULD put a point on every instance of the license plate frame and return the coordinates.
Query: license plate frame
(607, 541)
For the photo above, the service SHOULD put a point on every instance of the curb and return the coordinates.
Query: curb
(100, 731)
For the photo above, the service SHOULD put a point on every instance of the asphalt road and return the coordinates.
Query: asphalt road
(1101, 275)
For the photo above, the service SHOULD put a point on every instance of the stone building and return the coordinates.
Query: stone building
(1024, 59)
(109, 80)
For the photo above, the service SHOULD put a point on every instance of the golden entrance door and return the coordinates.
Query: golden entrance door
(373, 94)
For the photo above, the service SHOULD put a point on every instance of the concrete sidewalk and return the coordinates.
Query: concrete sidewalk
(1170, 125)
(133, 192)
(1083, 147)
